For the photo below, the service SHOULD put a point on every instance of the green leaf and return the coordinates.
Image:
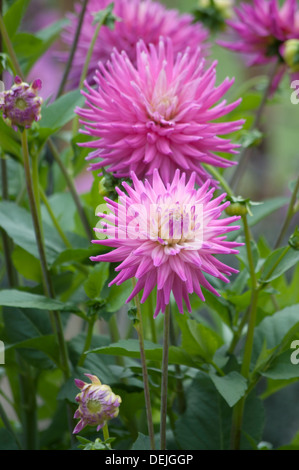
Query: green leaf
(282, 368)
(59, 113)
(14, 15)
(286, 262)
(106, 17)
(268, 207)
(276, 330)
(232, 386)
(17, 222)
(251, 138)
(9, 142)
(117, 296)
(7, 441)
(206, 423)
(153, 352)
(96, 280)
(199, 340)
(22, 299)
(142, 442)
(26, 264)
(72, 255)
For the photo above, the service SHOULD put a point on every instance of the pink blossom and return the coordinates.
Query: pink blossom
(259, 30)
(162, 114)
(166, 236)
(147, 20)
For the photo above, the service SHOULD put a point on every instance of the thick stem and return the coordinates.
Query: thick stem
(85, 68)
(87, 340)
(72, 189)
(289, 216)
(164, 385)
(8, 426)
(245, 369)
(247, 152)
(47, 282)
(53, 218)
(139, 329)
(73, 50)
(7, 243)
(10, 49)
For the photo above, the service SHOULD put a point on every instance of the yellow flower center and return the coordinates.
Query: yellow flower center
(94, 406)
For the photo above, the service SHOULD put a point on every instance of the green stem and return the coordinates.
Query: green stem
(164, 385)
(10, 49)
(29, 406)
(289, 216)
(47, 282)
(8, 426)
(36, 187)
(7, 243)
(246, 152)
(139, 329)
(106, 432)
(73, 50)
(222, 181)
(87, 340)
(245, 368)
(85, 69)
(72, 189)
(53, 218)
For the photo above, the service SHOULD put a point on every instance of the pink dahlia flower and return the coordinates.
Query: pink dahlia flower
(97, 404)
(260, 29)
(167, 236)
(147, 20)
(161, 114)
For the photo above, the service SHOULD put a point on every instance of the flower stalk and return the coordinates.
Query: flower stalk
(139, 329)
(164, 385)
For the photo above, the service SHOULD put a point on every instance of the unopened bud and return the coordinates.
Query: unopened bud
(97, 404)
(290, 53)
(21, 104)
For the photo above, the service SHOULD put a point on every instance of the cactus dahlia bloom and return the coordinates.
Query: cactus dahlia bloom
(166, 236)
(260, 29)
(97, 404)
(161, 114)
(147, 20)
(21, 104)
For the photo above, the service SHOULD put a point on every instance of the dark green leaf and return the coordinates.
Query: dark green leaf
(17, 222)
(232, 386)
(283, 263)
(14, 15)
(59, 113)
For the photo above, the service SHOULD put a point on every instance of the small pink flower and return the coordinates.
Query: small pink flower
(260, 29)
(167, 237)
(97, 404)
(21, 104)
(147, 20)
(162, 114)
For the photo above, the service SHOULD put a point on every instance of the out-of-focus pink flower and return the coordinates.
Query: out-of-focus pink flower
(163, 114)
(260, 29)
(166, 236)
(97, 404)
(147, 20)
(21, 103)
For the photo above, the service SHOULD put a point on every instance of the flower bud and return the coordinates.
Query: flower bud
(294, 239)
(97, 404)
(21, 104)
(236, 208)
(290, 54)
